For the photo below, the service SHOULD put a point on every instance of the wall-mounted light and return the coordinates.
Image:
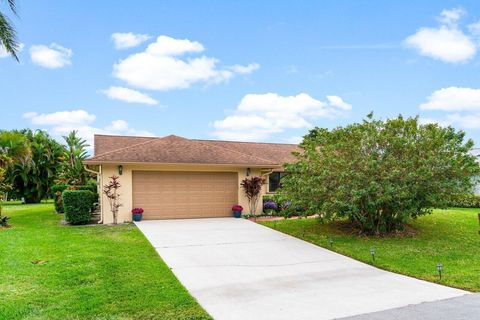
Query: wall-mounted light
(120, 169)
(248, 172)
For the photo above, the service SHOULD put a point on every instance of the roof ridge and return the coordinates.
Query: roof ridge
(247, 142)
(236, 151)
(127, 147)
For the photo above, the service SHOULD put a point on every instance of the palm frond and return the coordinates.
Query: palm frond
(13, 6)
(8, 36)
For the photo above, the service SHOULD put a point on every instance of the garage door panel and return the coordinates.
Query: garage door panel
(166, 195)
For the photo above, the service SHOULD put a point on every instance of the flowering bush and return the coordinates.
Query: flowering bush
(270, 204)
(287, 204)
(237, 207)
(137, 211)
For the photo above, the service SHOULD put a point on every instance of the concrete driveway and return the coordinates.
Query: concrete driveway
(237, 269)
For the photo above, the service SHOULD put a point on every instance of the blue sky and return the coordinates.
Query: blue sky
(241, 70)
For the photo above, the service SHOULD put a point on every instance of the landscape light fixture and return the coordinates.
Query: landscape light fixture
(440, 269)
(372, 253)
(330, 241)
(120, 169)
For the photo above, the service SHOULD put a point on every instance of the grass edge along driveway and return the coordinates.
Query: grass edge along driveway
(84, 272)
(449, 237)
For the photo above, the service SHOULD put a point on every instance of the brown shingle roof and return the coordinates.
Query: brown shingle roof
(174, 149)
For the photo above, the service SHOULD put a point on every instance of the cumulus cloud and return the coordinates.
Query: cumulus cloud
(461, 104)
(447, 42)
(5, 54)
(453, 99)
(258, 116)
(128, 39)
(129, 95)
(167, 64)
(51, 57)
(245, 69)
(62, 122)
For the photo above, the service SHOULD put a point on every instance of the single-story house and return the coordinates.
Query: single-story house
(174, 177)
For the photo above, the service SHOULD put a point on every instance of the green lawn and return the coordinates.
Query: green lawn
(449, 237)
(93, 272)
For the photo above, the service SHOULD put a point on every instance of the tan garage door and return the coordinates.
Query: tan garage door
(167, 195)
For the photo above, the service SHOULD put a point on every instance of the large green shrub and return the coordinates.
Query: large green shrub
(466, 201)
(77, 205)
(378, 174)
(57, 200)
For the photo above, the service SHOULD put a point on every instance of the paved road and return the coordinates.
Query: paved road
(237, 269)
(461, 308)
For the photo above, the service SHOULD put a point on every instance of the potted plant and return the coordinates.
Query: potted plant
(237, 210)
(137, 214)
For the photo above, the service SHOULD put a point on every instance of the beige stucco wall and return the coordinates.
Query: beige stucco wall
(124, 215)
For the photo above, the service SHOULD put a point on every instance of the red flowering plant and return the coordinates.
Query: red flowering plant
(137, 211)
(237, 207)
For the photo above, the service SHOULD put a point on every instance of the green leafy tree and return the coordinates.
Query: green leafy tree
(32, 179)
(13, 148)
(8, 35)
(72, 170)
(378, 174)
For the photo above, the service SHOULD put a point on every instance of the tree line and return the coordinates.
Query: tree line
(31, 162)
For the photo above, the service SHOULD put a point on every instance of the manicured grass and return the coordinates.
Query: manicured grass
(92, 272)
(449, 237)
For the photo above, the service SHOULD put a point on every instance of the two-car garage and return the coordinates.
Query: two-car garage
(175, 195)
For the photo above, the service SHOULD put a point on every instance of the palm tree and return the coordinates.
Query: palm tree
(73, 171)
(8, 35)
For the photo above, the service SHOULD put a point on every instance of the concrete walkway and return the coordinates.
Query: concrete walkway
(237, 269)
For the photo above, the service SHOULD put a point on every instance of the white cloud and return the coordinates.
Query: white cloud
(258, 116)
(453, 99)
(160, 66)
(128, 39)
(447, 43)
(129, 95)
(62, 122)
(5, 54)
(336, 101)
(450, 17)
(291, 69)
(52, 57)
(245, 69)
(466, 121)
(474, 29)
(73, 117)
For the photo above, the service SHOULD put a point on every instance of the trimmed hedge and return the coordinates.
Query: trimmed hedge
(58, 202)
(466, 201)
(78, 206)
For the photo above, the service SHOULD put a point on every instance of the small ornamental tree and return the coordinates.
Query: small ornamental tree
(379, 174)
(252, 188)
(111, 191)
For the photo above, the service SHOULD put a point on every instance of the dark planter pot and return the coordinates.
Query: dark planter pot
(137, 217)
(237, 214)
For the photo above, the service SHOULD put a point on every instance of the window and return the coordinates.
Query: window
(274, 180)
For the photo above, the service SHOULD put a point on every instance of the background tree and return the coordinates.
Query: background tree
(32, 179)
(8, 35)
(72, 170)
(378, 174)
(14, 147)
